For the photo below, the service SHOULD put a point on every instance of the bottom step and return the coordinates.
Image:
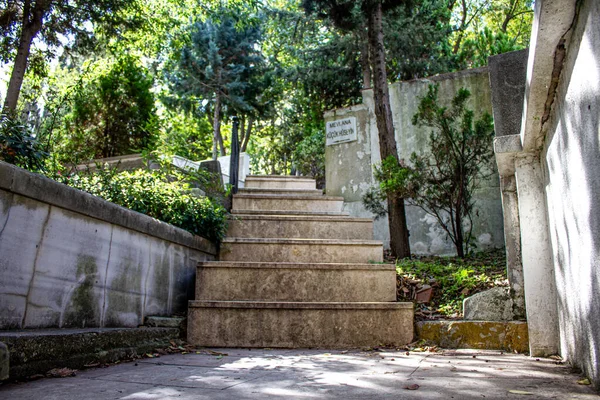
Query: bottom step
(299, 325)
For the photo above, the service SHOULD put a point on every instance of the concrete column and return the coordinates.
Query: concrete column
(536, 252)
(512, 240)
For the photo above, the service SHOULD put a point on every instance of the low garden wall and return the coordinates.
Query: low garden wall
(70, 259)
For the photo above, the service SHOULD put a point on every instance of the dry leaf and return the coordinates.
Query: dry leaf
(414, 386)
(584, 381)
(216, 353)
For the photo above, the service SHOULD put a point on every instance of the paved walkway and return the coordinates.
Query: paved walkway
(316, 374)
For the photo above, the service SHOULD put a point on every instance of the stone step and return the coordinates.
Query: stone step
(291, 213)
(299, 325)
(268, 202)
(289, 192)
(301, 250)
(297, 226)
(279, 182)
(229, 281)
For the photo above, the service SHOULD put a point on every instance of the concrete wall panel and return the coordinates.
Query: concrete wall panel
(62, 267)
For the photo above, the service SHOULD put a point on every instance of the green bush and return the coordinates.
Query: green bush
(161, 196)
(19, 146)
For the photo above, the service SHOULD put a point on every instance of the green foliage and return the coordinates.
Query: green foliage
(112, 112)
(478, 49)
(166, 197)
(309, 158)
(186, 135)
(18, 145)
(417, 39)
(454, 278)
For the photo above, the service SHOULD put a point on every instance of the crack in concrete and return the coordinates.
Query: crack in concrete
(559, 60)
(112, 228)
(35, 263)
(12, 199)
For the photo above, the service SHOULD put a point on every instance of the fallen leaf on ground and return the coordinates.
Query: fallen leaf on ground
(92, 365)
(216, 353)
(414, 386)
(520, 392)
(61, 372)
(584, 381)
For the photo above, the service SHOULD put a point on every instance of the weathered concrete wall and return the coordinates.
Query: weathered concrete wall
(571, 158)
(348, 166)
(69, 259)
(556, 161)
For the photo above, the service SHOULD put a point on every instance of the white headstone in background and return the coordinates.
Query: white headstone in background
(340, 131)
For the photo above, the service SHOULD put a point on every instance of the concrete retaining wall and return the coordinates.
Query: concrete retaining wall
(70, 259)
(571, 162)
(348, 166)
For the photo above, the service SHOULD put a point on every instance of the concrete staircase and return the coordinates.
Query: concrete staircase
(296, 271)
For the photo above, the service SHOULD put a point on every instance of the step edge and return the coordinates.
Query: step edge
(319, 218)
(298, 266)
(339, 242)
(279, 178)
(291, 212)
(379, 305)
(315, 197)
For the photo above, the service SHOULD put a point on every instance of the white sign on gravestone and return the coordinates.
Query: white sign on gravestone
(341, 131)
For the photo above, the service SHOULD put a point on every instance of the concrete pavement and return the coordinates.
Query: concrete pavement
(316, 374)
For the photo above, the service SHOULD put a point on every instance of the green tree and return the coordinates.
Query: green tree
(22, 21)
(441, 180)
(113, 113)
(351, 16)
(216, 68)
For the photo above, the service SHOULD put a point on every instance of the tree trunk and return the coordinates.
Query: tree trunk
(216, 126)
(387, 143)
(247, 135)
(364, 59)
(29, 30)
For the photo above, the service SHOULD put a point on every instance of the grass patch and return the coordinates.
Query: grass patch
(452, 279)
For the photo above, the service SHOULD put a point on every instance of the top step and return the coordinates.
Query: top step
(279, 182)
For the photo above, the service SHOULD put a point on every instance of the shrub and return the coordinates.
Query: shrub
(165, 197)
(19, 146)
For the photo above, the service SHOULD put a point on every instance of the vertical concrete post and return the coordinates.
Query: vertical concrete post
(512, 240)
(536, 252)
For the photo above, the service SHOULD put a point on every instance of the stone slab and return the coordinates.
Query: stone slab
(289, 324)
(508, 336)
(228, 281)
(308, 227)
(38, 351)
(508, 74)
(279, 182)
(289, 192)
(287, 203)
(301, 250)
